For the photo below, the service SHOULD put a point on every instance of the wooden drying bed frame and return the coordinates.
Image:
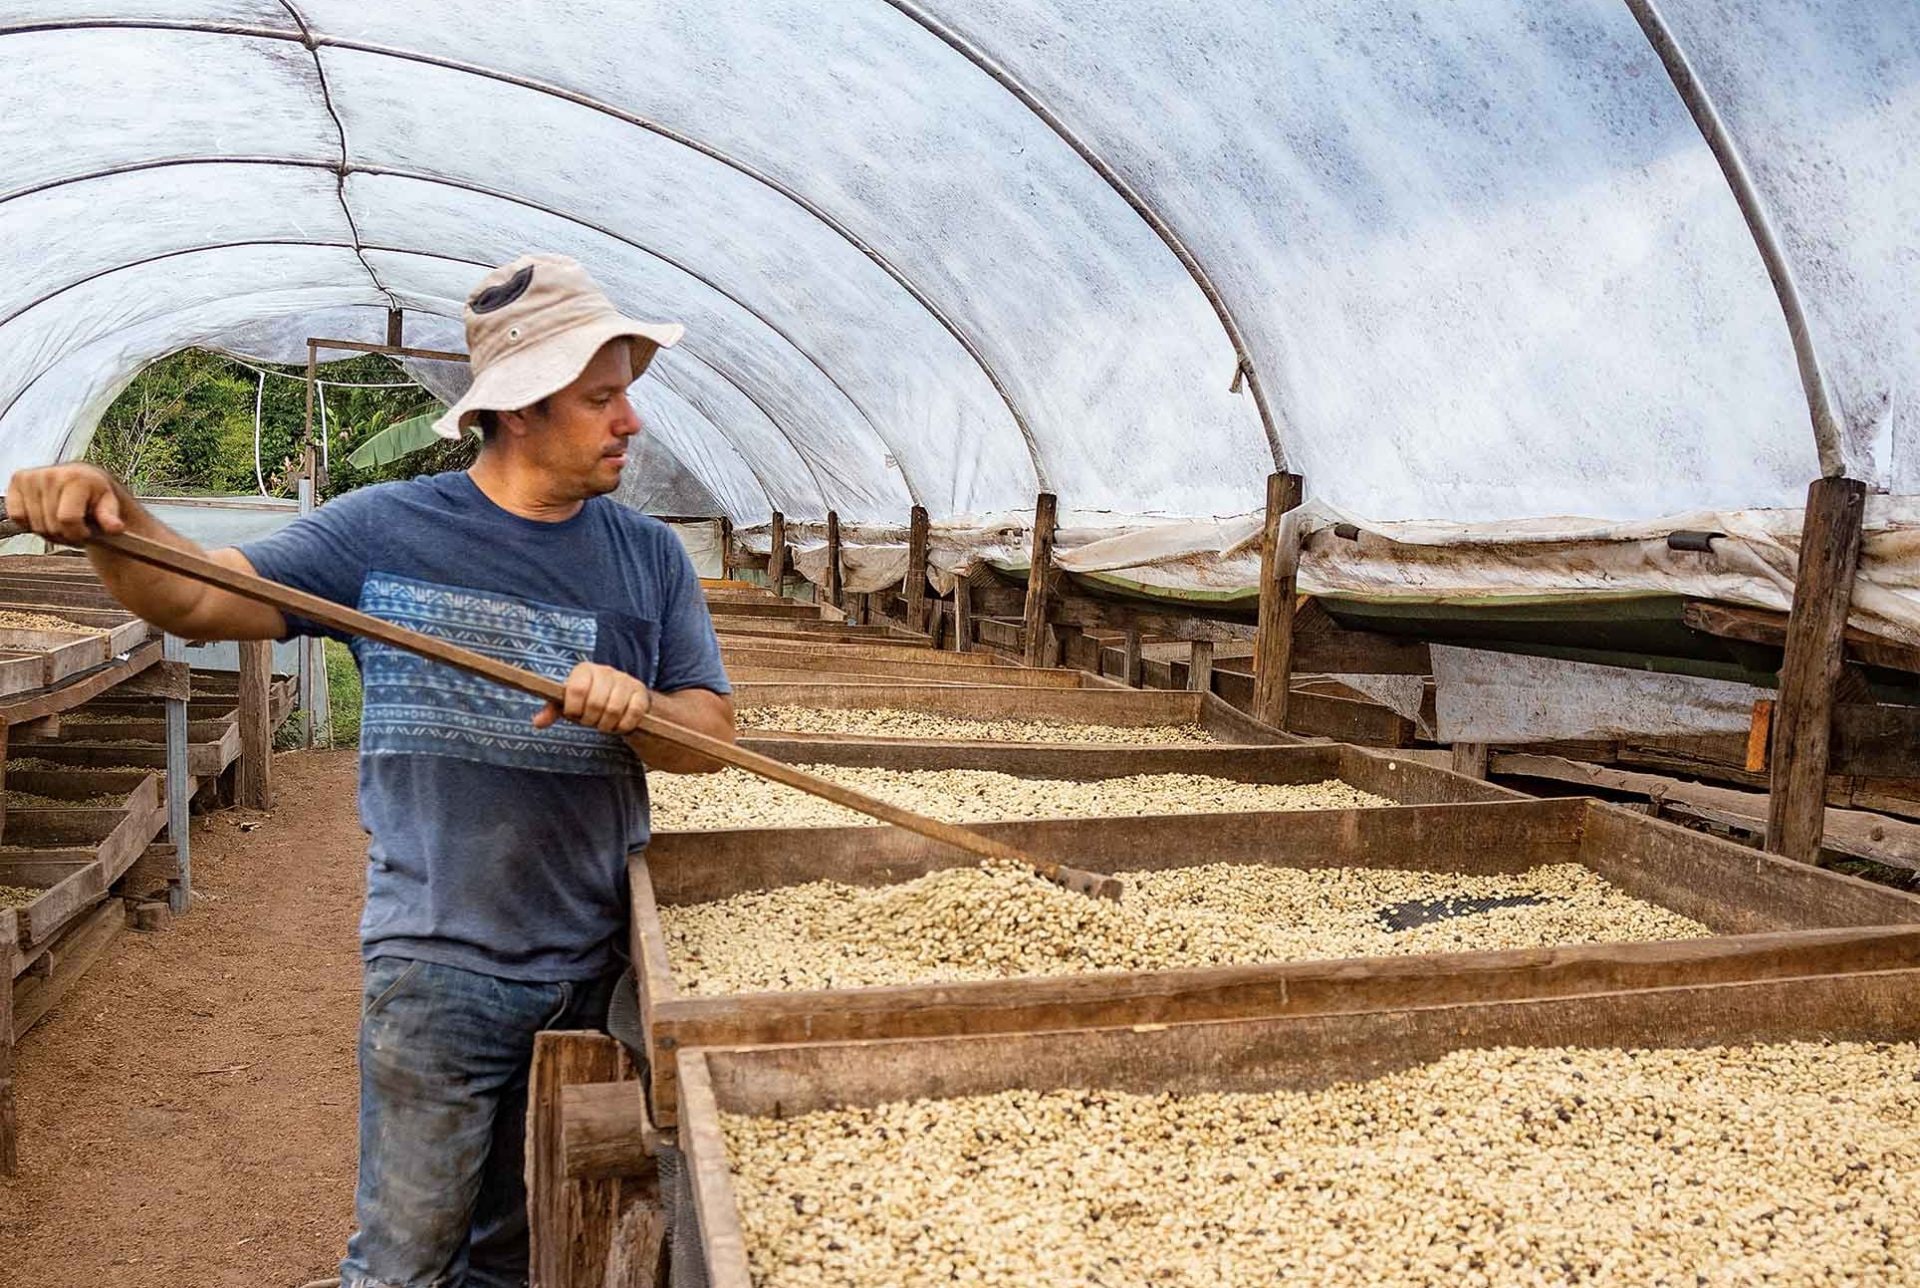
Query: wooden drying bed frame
(1286, 1052)
(1770, 917)
(213, 731)
(1128, 708)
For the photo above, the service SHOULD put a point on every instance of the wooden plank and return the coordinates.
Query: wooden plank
(605, 1131)
(81, 888)
(1876, 741)
(1037, 617)
(1491, 837)
(1759, 736)
(721, 1239)
(1889, 842)
(571, 1222)
(78, 949)
(1273, 646)
(750, 666)
(1829, 550)
(158, 682)
(1731, 888)
(835, 581)
(1086, 613)
(32, 706)
(963, 614)
(864, 650)
(254, 781)
(1470, 758)
(1200, 667)
(916, 582)
(777, 556)
(1130, 659)
(1758, 626)
(1297, 1052)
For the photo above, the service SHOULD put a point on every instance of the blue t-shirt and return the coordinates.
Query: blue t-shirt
(497, 847)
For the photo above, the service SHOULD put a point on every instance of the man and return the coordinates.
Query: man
(496, 884)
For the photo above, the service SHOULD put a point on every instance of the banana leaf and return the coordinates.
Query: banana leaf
(402, 438)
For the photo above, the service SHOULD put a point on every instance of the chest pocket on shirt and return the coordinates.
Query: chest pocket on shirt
(629, 643)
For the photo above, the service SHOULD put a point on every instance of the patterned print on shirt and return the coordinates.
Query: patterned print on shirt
(414, 707)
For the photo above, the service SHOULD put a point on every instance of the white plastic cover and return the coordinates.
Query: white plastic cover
(1480, 263)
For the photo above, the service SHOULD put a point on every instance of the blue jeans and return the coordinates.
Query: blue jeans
(444, 1056)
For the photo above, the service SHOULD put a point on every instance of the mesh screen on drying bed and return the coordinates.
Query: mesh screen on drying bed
(1415, 913)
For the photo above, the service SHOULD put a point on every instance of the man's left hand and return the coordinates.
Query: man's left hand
(600, 697)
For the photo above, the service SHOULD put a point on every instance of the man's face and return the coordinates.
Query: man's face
(581, 439)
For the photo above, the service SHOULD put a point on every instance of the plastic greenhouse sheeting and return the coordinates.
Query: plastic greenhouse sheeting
(1473, 263)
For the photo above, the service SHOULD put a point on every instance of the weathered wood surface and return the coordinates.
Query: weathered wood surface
(1775, 917)
(1876, 741)
(916, 580)
(1758, 626)
(835, 581)
(1400, 779)
(1845, 832)
(777, 555)
(572, 1222)
(831, 668)
(799, 652)
(1039, 628)
(254, 785)
(1119, 707)
(605, 1131)
(1802, 730)
(21, 707)
(82, 945)
(1273, 661)
(1295, 1052)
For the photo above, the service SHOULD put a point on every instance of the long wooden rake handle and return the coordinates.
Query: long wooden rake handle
(328, 613)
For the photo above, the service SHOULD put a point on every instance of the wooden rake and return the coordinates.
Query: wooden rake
(328, 613)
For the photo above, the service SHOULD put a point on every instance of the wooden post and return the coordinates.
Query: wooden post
(1803, 715)
(863, 609)
(1039, 579)
(572, 1222)
(777, 556)
(396, 328)
(1470, 758)
(963, 614)
(726, 548)
(833, 559)
(1273, 643)
(180, 893)
(916, 587)
(1200, 666)
(254, 777)
(1130, 658)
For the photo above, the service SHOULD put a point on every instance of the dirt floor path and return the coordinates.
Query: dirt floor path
(187, 1112)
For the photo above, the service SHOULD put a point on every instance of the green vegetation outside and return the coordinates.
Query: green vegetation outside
(184, 427)
(343, 692)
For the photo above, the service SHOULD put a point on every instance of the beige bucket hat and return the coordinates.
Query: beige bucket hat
(532, 328)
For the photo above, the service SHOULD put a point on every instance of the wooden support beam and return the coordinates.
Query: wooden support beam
(1200, 666)
(1823, 591)
(179, 787)
(1084, 613)
(1273, 646)
(1470, 758)
(726, 548)
(916, 584)
(1760, 736)
(963, 614)
(834, 582)
(396, 328)
(1040, 579)
(777, 556)
(1130, 658)
(254, 771)
(572, 1221)
(1876, 741)
(605, 1131)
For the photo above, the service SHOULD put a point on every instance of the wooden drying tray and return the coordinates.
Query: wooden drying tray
(1401, 780)
(1127, 708)
(1770, 917)
(1294, 1052)
(77, 853)
(758, 665)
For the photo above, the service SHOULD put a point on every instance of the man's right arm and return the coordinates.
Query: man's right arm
(67, 503)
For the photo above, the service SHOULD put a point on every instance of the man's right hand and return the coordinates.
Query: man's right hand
(66, 502)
